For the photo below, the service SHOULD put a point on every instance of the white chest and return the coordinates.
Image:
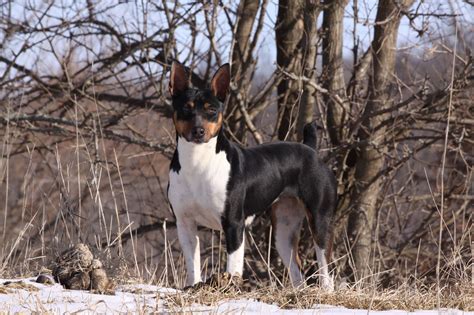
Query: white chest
(199, 190)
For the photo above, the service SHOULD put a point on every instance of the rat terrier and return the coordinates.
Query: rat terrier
(220, 185)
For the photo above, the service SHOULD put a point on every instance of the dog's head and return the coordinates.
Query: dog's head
(198, 114)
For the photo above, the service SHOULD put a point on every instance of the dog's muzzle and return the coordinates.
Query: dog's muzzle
(198, 134)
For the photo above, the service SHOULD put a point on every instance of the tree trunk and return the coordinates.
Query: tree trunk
(246, 15)
(332, 78)
(310, 48)
(333, 72)
(289, 31)
(370, 160)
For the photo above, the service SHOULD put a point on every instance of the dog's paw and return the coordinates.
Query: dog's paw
(195, 286)
(225, 279)
(327, 283)
(219, 281)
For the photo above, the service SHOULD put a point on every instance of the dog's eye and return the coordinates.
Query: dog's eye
(211, 111)
(187, 108)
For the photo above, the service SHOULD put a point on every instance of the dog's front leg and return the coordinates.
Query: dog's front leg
(235, 252)
(234, 229)
(189, 241)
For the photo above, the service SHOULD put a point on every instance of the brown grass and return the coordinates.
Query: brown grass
(119, 189)
(10, 286)
(405, 298)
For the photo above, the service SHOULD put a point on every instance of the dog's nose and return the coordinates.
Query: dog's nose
(198, 132)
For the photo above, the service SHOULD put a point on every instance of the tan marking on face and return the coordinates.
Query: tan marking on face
(207, 106)
(212, 128)
(183, 128)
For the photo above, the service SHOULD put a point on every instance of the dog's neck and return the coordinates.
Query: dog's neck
(196, 156)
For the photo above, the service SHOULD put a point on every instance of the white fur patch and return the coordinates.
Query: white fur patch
(189, 240)
(249, 220)
(235, 260)
(199, 190)
(197, 194)
(325, 279)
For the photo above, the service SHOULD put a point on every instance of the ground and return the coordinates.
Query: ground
(25, 295)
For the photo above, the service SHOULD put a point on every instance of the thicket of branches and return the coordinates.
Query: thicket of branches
(86, 134)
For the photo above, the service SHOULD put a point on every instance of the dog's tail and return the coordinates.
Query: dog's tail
(309, 135)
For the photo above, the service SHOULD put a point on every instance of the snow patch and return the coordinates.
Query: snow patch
(145, 298)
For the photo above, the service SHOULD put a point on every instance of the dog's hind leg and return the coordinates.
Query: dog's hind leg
(287, 216)
(325, 279)
(320, 224)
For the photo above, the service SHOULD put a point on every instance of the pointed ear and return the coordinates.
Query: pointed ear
(220, 82)
(179, 79)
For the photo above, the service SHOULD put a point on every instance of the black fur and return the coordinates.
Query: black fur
(259, 175)
(199, 98)
(174, 165)
(309, 135)
(262, 173)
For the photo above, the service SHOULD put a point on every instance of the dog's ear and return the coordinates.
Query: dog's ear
(179, 79)
(220, 82)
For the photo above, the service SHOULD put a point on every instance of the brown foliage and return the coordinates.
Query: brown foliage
(87, 135)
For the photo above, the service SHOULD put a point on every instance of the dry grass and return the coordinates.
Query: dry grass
(166, 268)
(10, 286)
(96, 193)
(74, 184)
(405, 298)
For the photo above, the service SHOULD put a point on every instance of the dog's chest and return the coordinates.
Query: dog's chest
(199, 189)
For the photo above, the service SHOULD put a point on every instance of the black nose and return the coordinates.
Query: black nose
(198, 132)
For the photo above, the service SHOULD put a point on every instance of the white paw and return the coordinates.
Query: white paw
(298, 284)
(327, 283)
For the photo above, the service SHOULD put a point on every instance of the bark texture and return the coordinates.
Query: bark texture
(241, 60)
(333, 72)
(309, 46)
(370, 159)
(289, 31)
(246, 17)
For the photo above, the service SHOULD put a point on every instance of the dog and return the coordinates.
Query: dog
(220, 185)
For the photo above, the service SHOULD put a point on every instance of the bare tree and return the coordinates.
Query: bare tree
(289, 31)
(333, 71)
(309, 46)
(87, 135)
(370, 155)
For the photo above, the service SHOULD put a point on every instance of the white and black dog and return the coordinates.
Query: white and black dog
(217, 184)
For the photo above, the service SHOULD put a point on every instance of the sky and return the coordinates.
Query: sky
(127, 15)
(408, 37)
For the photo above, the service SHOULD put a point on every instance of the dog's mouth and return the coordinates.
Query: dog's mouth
(198, 140)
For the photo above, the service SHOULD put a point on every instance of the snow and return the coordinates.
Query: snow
(144, 298)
